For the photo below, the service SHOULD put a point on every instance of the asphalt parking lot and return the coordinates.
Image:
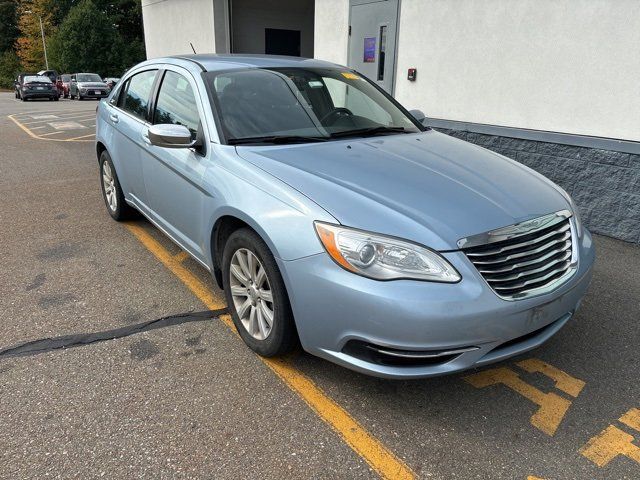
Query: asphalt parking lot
(189, 400)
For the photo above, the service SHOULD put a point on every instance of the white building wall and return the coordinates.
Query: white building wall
(569, 66)
(331, 32)
(169, 26)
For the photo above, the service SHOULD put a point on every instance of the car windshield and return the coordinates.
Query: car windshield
(286, 105)
(88, 77)
(36, 78)
(66, 78)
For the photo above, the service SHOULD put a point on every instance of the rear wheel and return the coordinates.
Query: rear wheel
(256, 295)
(112, 193)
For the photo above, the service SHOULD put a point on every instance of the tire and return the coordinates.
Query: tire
(24, 99)
(55, 99)
(117, 207)
(282, 336)
(80, 97)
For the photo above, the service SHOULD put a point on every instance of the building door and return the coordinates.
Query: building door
(281, 42)
(372, 42)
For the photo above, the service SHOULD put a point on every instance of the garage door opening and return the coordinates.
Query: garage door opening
(276, 27)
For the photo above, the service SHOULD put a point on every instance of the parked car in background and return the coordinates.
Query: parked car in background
(66, 83)
(111, 81)
(38, 86)
(55, 79)
(87, 85)
(330, 215)
(17, 83)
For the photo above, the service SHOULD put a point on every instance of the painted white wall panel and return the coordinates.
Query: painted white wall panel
(169, 26)
(332, 30)
(568, 66)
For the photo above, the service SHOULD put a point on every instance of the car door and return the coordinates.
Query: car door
(128, 113)
(174, 176)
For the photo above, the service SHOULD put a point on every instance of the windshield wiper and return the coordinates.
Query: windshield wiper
(276, 139)
(368, 131)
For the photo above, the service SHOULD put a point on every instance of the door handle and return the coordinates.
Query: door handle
(145, 138)
(114, 118)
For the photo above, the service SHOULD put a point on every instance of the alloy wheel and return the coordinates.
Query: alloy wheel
(109, 185)
(251, 293)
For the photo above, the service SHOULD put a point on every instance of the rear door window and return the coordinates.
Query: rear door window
(135, 98)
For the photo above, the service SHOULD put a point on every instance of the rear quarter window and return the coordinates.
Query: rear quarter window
(136, 94)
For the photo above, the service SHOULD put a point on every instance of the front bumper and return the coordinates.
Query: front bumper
(335, 310)
(90, 93)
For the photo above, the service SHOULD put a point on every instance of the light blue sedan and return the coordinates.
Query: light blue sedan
(333, 218)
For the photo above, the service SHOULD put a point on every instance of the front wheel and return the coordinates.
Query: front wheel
(256, 295)
(112, 193)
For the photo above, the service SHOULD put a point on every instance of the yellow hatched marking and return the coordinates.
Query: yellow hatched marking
(552, 407)
(612, 441)
(564, 381)
(42, 137)
(631, 419)
(85, 116)
(381, 459)
(78, 138)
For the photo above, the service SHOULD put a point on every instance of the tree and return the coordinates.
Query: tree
(29, 43)
(9, 68)
(8, 24)
(88, 40)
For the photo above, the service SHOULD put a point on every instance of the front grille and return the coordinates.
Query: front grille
(527, 264)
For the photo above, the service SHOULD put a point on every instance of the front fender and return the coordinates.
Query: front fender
(281, 215)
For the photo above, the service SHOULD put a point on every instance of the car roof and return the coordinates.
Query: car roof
(214, 62)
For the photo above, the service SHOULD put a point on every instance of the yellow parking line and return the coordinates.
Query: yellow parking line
(181, 256)
(78, 138)
(39, 137)
(381, 459)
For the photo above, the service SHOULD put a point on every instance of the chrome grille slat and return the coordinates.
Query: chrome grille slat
(535, 241)
(528, 273)
(513, 256)
(533, 280)
(516, 266)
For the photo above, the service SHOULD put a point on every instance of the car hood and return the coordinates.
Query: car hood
(92, 85)
(427, 187)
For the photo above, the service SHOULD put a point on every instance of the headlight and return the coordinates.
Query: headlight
(381, 257)
(574, 210)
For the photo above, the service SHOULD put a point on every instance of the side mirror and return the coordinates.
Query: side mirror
(418, 115)
(171, 136)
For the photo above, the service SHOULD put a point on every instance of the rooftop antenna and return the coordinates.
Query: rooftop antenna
(194, 50)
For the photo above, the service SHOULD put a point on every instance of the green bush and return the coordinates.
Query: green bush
(9, 68)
